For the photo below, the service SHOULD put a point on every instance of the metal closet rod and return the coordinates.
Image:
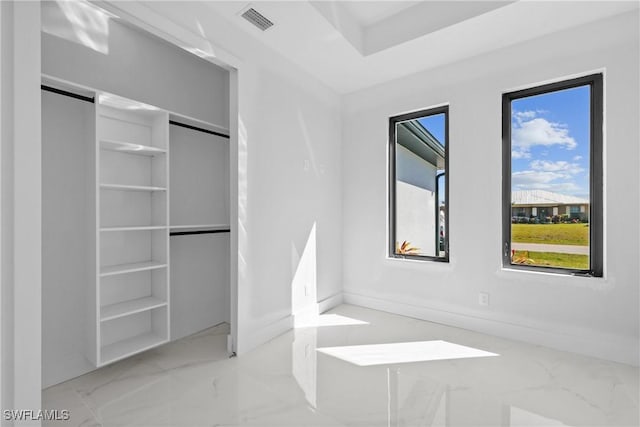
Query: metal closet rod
(186, 233)
(92, 100)
(69, 94)
(173, 122)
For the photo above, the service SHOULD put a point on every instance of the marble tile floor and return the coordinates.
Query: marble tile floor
(312, 376)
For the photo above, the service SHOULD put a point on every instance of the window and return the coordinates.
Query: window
(419, 185)
(552, 172)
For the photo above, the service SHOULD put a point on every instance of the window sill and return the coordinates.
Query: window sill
(507, 271)
(420, 260)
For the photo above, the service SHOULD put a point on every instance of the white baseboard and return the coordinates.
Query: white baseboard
(330, 302)
(307, 315)
(585, 342)
(260, 336)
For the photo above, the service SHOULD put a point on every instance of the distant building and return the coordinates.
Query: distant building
(542, 204)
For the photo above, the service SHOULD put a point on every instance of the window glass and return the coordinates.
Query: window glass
(418, 187)
(550, 149)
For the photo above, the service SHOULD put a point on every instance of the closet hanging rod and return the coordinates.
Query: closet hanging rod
(173, 122)
(186, 233)
(67, 93)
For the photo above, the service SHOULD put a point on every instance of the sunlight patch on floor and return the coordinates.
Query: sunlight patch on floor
(403, 352)
(329, 320)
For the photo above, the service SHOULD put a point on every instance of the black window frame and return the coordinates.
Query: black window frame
(393, 121)
(596, 134)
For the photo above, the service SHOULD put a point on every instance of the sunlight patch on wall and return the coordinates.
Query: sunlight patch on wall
(77, 21)
(118, 102)
(305, 277)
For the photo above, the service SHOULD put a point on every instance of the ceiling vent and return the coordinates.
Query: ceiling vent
(257, 19)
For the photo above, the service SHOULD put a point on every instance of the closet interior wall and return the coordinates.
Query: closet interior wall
(67, 138)
(191, 91)
(199, 242)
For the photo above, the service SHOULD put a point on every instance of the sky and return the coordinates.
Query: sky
(435, 125)
(550, 142)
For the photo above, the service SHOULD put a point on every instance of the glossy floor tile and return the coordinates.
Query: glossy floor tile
(411, 373)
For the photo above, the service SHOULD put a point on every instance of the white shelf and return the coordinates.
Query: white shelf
(131, 147)
(181, 118)
(131, 187)
(135, 228)
(130, 268)
(127, 147)
(126, 308)
(130, 346)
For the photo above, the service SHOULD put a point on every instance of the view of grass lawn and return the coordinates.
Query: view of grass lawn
(552, 234)
(552, 259)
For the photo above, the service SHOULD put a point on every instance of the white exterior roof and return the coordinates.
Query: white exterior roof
(542, 197)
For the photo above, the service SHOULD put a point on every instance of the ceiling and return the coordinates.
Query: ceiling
(371, 12)
(351, 45)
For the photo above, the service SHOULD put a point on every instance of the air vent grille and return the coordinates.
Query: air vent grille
(257, 19)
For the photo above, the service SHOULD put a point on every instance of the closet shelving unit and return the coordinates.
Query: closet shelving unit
(132, 293)
(128, 218)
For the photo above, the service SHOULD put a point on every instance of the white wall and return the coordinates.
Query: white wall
(415, 201)
(286, 118)
(68, 131)
(6, 203)
(199, 282)
(21, 238)
(589, 315)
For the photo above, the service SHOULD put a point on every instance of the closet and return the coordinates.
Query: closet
(136, 201)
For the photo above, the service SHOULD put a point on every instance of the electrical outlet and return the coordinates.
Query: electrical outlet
(483, 298)
(306, 165)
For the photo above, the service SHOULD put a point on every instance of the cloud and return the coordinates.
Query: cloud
(529, 130)
(544, 180)
(557, 166)
(530, 177)
(540, 131)
(522, 115)
(556, 176)
(570, 188)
